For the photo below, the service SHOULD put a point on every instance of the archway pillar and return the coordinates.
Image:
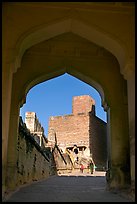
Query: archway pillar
(11, 174)
(129, 75)
(6, 106)
(120, 159)
(131, 114)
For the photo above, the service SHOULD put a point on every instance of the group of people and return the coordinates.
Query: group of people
(90, 166)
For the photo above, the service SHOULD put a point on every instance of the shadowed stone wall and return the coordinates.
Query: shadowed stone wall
(98, 141)
(33, 162)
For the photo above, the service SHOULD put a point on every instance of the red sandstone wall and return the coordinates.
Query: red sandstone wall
(82, 128)
(71, 129)
(82, 104)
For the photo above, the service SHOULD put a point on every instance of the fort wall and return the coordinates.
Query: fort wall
(82, 128)
(98, 141)
(33, 163)
(70, 129)
(35, 127)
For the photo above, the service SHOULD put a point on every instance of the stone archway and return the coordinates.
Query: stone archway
(91, 33)
(54, 57)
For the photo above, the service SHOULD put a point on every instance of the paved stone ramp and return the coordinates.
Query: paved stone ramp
(67, 188)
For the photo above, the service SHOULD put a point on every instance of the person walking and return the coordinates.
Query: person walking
(91, 166)
(81, 168)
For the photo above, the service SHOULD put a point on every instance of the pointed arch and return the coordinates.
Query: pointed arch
(71, 72)
(90, 33)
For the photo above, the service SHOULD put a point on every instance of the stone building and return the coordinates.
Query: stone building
(92, 41)
(35, 128)
(81, 130)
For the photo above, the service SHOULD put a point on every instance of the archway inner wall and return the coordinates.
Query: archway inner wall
(42, 62)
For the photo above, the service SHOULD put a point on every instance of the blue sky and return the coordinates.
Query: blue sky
(54, 98)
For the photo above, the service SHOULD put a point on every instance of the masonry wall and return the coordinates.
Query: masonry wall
(82, 128)
(73, 129)
(98, 141)
(82, 104)
(33, 124)
(32, 162)
(70, 129)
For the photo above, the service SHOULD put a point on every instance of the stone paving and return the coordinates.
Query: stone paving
(76, 187)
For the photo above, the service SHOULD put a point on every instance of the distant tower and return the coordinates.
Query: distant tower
(83, 104)
(30, 120)
(34, 126)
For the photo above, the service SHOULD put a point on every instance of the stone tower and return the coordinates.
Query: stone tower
(83, 104)
(35, 127)
(73, 129)
(81, 128)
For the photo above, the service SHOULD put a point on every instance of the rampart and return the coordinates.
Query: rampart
(33, 162)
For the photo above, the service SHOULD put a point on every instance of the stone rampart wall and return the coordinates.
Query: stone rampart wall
(33, 162)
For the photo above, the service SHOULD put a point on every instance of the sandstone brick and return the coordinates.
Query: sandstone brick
(81, 128)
